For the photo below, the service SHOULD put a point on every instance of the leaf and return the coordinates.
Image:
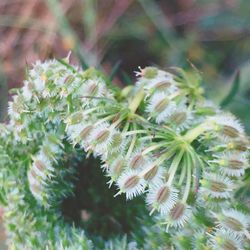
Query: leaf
(63, 62)
(114, 70)
(234, 90)
(126, 78)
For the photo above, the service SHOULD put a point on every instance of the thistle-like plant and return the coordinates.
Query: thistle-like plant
(159, 139)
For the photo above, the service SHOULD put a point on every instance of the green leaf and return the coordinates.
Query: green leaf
(63, 62)
(126, 78)
(232, 93)
(114, 70)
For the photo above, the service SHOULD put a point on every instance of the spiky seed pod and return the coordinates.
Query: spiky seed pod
(227, 126)
(232, 164)
(225, 240)
(234, 221)
(138, 160)
(178, 215)
(216, 186)
(117, 143)
(161, 197)
(181, 119)
(131, 184)
(101, 138)
(160, 107)
(115, 167)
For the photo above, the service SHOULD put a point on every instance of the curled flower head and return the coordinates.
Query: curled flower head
(160, 139)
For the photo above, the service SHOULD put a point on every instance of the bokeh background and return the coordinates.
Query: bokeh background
(117, 36)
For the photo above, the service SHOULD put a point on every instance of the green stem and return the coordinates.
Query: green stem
(189, 180)
(131, 147)
(116, 123)
(174, 166)
(165, 156)
(107, 118)
(151, 137)
(126, 127)
(192, 134)
(133, 132)
(183, 175)
(137, 100)
(153, 147)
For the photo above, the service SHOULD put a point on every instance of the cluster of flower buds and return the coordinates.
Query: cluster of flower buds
(161, 140)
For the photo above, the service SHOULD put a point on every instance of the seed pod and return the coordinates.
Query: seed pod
(178, 215)
(234, 221)
(131, 184)
(216, 186)
(160, 107)
(161, 197)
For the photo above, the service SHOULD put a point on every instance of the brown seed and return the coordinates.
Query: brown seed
(162, 85)
(151, 173)
(236, 164)
(233, 224)
(230, 131)
(163, 194)
(85, 132)
(179, 118)
(161, 105)
(131, 182)
(137, 161)
(177, 211)
(240, 146)
(117, 167)
(228, 245)
(69, 79)
(93, 88)
(102, 136)
(32, 172)
(217, 186)
(39, 165)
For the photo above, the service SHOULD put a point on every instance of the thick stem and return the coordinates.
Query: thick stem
(162, 158)
(107, 118)
(131, 147)
(134, 132)
(154, 147)
(174, 166)
(192, 134)
(188, 180)
(183, 175)
(137, 100)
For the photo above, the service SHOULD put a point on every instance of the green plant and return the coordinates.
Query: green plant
(160, 140)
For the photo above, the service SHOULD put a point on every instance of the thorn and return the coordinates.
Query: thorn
(119, 193)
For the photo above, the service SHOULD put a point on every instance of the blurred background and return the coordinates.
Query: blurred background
(117, 36)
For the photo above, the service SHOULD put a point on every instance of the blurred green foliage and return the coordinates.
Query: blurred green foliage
(212, 35)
